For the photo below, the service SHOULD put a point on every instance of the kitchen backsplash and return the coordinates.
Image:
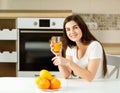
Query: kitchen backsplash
(102, 21)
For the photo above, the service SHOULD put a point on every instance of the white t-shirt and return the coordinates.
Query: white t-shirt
(94, 50)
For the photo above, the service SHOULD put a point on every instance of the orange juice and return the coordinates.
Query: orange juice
(57, 47)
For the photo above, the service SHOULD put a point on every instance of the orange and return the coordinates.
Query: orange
(45, 74)
(55, 83)
(37, 80)
(44, 83)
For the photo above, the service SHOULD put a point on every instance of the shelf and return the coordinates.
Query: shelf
(7, 34)
(34, 13)
(7, 23)
(6, 56)
(7, 45)
(7, 69)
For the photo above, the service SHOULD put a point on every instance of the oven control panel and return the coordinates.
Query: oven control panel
(40, 23)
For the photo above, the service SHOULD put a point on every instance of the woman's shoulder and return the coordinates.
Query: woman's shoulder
(95, 44)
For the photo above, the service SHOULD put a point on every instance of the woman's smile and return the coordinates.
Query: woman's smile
(73, 35)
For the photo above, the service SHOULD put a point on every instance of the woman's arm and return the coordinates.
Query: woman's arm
(87, 73)
(62, 64)
(67, 65)
(64, 71)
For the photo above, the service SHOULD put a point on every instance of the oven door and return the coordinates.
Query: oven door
(34, 50)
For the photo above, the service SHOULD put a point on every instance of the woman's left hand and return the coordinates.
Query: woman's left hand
(58, 60)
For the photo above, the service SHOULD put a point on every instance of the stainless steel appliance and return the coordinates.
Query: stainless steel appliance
(34, 44)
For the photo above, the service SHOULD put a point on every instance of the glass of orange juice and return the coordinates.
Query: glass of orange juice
(57, 44)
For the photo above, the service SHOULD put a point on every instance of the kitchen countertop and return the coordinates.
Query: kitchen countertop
(27, 85)
(112, 48)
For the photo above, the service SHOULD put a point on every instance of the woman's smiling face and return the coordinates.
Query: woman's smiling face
(73, 31)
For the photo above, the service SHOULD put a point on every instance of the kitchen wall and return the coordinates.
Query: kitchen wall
(104, 9)
(106, 27)
(77, 6)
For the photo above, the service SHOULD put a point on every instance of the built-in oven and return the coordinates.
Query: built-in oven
(34, 44)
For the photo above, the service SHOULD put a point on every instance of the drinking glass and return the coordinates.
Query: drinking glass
(57, 44)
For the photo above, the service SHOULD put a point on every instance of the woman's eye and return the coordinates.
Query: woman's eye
(76, 27)
(67, 30)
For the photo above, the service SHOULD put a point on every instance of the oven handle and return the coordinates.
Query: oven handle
(41, 31)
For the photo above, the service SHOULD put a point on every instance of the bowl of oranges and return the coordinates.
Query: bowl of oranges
(45, 81)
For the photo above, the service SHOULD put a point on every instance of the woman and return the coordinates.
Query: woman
(84, 54)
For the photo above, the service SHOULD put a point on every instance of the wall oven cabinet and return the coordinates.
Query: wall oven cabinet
(34, 44)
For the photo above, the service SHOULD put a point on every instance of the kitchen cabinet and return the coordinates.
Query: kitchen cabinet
(8, 47)
(9, 35)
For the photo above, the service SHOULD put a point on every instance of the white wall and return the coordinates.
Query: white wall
(3, 4)
(77, 6)
(111, 36)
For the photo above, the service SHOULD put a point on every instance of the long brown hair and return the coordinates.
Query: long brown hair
(87, 37)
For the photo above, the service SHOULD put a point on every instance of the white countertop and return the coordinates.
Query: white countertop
(27, 85)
